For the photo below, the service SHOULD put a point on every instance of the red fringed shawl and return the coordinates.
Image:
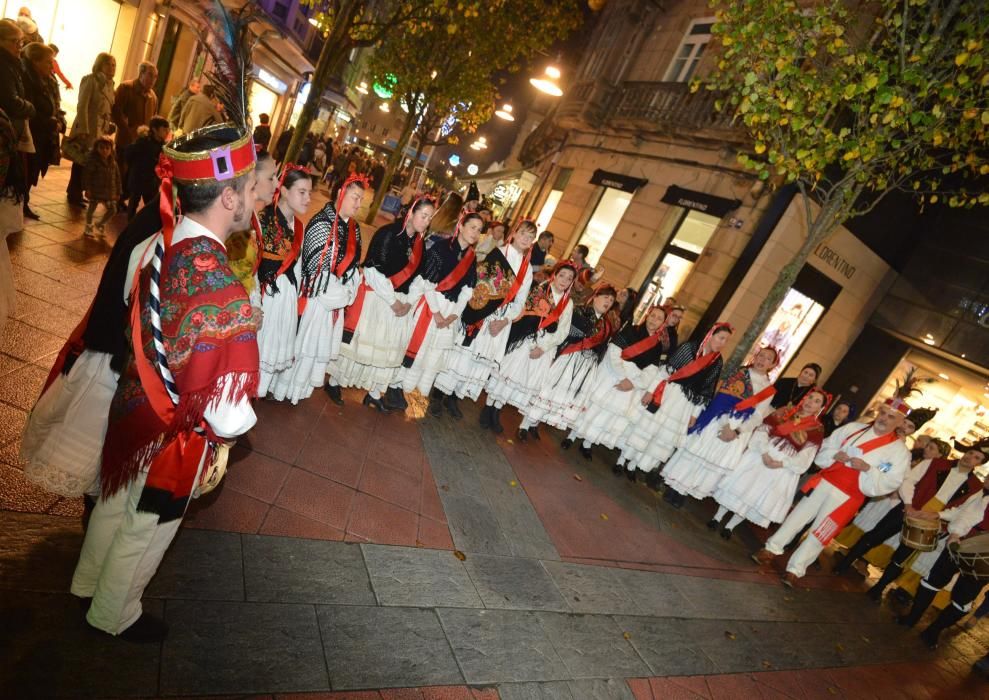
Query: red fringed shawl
(209, 332)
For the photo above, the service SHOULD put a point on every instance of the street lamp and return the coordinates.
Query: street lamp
(505, 113)
(362, 88)
(547, 83)
(384, 107)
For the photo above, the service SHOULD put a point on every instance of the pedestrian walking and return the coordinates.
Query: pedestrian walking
(101, 182)
(94, 119)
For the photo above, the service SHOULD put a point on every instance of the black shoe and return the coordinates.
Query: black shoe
(375, 403)
(30, 213)
(617, 469)
(534, 433)
(930, 638)
(725, 533)
(435, 408)
(631, 474)
(652, 481)
(452, 407)
(566, 443)
(147, 630)
(496, 426)
(394, 399)
(486, 416)
(713, 524)
(523, 435)
(585, 452)
(333, 391)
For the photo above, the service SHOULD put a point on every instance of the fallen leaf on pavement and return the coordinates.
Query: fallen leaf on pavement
(459, 555)
(626, 635)
(578, 477)
(766, 664)
(604, 516)
(839, 647)
(729, 635)
(513, 482)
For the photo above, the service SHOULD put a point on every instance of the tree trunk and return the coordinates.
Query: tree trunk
(331, 58)
(393, 162)
(820, 228)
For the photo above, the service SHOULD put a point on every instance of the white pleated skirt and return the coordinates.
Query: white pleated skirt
(705, 459)
(559, 399)
(651, 438)
(373, 357)
(276, 337)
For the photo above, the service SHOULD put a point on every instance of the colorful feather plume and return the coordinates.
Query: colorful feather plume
(911, 384)
(228, 39)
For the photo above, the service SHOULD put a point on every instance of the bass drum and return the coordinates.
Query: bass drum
(972, 556)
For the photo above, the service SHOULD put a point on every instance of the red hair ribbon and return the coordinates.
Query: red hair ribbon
(408, 214)
(289, 167)
(165, 170)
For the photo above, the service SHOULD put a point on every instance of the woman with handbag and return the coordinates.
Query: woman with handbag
(93, 119)
(38, 63)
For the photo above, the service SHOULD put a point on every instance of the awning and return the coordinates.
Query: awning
(625, 183)
(526, 178)
(700, 201)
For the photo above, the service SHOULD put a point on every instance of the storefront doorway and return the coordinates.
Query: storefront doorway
(614, 197)
(691, 234)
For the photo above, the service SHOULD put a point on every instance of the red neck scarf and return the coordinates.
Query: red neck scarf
(755, 399)
(426, 313)
(696, 365)
(517, 282)
(554, 315)
(644, 345)
(591, 341)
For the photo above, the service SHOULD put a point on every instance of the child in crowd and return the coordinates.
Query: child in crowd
(101, 181)
(142, 159)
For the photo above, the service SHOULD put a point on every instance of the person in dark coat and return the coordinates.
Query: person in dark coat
(789, 390)
(262, 132)
(142, 159)
(13, 97)
(38, 64)
(281, 145)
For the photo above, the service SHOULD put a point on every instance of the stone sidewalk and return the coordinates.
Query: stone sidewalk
(354, 555)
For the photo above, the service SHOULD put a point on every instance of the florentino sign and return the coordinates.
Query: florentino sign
(833, 259)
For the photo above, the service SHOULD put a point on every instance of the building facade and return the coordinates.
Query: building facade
(645, 173)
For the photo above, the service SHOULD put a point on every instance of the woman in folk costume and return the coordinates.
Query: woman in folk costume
(328, 279)
(193, 367)
(659, 420)
(503, 282)
(377, 326)
(715, 443)
(444, 284)
(532, 340)
(630, 364)
(556, 400)
(762, 486)
(281, 230)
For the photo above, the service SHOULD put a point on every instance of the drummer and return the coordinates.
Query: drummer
(965, 517)
(926, 491)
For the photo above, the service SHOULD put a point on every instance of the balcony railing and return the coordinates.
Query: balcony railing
(662, 107)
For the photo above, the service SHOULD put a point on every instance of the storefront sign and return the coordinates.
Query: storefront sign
(699, 201)
(625, 183)
(271, 81)
(833, 259)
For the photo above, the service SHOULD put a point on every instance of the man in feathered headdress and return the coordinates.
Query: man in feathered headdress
(192, 369)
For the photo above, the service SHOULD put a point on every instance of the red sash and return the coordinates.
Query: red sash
(517, 282)
(554, 315)
(426, 314)
(846, 480)
(755, 399)
(688, 370)
(352, 316)
(805, 423)
(258, 242)
(644, 345)
(341, 267)
(592, 341)
(296, 247)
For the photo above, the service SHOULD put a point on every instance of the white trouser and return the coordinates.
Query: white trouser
(120, 554)
(811, 509)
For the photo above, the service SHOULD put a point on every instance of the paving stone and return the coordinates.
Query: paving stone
(454, 471)
(215, 647)
(782, 644)
(550, 690)
(591, 589)
(419, 577)
(664, 649)
(408, 644)
(201, 565)
(473, 525)
(501, 646)
(57, 655)
(738, 600)
(290, 570)
(518, 519)
(514, 584)
(601, 689)
(37, 552)
(654, 593)
(725, 642)
(592, 646)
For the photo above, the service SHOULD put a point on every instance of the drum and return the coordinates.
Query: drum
(920, 534)
(972, 556)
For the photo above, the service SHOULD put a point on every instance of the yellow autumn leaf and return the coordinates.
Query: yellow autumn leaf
(871, 80)
(604, 516)
(578, 477)
(851, 155)
(962, 58)
(938, 138)
(459, 555)
(784, 121)
(513, 482)
(896, 102)
(933, 199)
(780, 63)
(626, 635)
(760, 148)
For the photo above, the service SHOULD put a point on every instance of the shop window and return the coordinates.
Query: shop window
(691, 49)
(300, 26)
(553, 199)
(804, 304)
(280, 10)
(601, 227)
(677, 259)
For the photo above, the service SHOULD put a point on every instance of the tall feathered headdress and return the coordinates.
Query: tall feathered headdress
(228, 39)
(907, 388)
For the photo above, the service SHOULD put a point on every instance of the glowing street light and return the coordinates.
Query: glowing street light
(362, 88)
(384, 107)
(505, 113)
(547, 83)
